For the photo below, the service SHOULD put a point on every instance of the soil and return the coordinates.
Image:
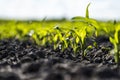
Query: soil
(24, 60)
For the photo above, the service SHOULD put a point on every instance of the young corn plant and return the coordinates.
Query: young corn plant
(115, 40)
(41, 37)
(59, 39)
(81, 39)
(88, 21)
(56, 37)
(85, 31)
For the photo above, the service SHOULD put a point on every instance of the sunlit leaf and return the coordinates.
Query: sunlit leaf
(77, 39)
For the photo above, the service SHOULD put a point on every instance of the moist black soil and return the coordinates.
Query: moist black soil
(24, 60)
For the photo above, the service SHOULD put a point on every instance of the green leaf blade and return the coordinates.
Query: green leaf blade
(87, 11)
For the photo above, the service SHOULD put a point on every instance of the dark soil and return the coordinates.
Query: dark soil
(24, 60)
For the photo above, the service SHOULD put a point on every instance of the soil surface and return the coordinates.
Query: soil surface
(24, 60)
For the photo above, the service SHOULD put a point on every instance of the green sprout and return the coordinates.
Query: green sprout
(85, 31)
(115, 40)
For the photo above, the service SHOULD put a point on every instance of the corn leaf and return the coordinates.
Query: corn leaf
(87, 11)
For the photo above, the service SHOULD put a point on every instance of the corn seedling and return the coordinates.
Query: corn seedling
(115, 40)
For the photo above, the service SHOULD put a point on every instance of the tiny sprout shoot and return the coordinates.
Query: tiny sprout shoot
(87, 11)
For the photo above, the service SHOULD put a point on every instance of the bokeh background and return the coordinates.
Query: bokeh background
(56, 9)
